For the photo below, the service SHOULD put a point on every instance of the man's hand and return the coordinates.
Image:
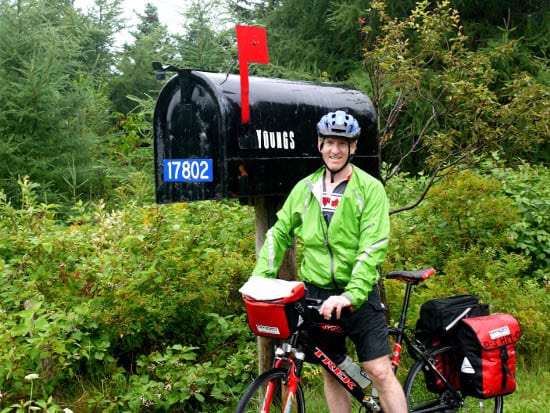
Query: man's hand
(334, 303)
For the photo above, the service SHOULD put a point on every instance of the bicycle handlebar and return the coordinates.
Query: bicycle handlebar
(314, 305)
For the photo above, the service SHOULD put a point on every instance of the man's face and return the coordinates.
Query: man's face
(335, 151)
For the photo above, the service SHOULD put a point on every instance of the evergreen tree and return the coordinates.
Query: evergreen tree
(134, 76)
(49, 106)
(320, 39)
(102, 22)
(208, 42)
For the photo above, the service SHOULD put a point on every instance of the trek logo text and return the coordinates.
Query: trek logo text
(342, 376)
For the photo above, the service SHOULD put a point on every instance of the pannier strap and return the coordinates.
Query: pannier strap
(505, 368)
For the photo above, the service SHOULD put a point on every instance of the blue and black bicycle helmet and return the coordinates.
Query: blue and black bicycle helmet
(338, 123)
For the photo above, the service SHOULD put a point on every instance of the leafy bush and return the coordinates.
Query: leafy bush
(165, 270)
(457, 217)
(528, 186)
(83, 299)
(179, 379)
(50, 343)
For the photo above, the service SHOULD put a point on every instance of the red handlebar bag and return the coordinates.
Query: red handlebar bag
(277, 318)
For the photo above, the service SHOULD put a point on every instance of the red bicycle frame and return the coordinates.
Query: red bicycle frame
(292, 384)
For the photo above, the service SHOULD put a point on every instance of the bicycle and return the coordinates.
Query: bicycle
(279, 389)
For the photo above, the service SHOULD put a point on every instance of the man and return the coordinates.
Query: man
(341, 215)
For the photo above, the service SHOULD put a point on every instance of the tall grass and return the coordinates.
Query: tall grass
(532, 393)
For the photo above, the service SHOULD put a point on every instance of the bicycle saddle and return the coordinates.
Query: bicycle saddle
(411, 276)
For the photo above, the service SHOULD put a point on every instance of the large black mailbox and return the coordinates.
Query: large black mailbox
(203, 151)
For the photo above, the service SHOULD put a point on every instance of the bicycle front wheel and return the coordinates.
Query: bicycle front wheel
(425, 394)
(268, 392)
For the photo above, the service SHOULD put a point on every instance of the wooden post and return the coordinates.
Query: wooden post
(265, 209)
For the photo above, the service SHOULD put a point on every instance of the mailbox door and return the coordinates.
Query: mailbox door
(189, 139)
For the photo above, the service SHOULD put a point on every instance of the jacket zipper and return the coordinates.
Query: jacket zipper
(324, 227)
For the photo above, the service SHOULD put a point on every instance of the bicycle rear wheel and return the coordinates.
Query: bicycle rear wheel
(257, 394)
(423, 395)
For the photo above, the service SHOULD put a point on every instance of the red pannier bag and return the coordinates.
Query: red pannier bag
(487, 356)
(274, 307)
(446, 364)
(436, 326)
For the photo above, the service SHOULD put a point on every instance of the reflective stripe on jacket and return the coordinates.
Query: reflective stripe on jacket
(344, 255)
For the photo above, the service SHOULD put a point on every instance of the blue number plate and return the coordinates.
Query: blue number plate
(188, 170)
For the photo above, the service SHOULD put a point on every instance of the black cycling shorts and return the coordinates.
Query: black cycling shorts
(365, 326)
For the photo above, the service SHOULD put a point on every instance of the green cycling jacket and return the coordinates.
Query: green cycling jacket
(343, 255)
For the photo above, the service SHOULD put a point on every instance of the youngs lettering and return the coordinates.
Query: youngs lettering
(275, 140)
(342, 376)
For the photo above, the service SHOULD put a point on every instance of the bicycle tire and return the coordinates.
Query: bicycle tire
(421, 397)
(253, 397)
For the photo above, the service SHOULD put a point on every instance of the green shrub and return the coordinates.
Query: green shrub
(179, 379)
(529, 187)
(83, 298)
(46, 339)
(457, 215)
(165, 270)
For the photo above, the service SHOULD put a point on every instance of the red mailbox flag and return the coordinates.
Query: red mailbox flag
(252, 48)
